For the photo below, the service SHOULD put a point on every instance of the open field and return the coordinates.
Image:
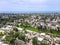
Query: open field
(54, 32)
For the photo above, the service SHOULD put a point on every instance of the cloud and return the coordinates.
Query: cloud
(17, 5)
(24, 5)
(37, 1)
(34, 1)
(23, 2)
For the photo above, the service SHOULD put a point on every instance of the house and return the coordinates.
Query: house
(2, 31)
(5, 44)
(19, 42)
(57, 40)
(42, 34)
(47, 37)
(2, 43)
(40, 39)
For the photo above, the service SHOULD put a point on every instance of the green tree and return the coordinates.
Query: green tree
(44, 42)
(15, 29)
(10, 39)
(1, 34)
(21, 36)
(34, 41)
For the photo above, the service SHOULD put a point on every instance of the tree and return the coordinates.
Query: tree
(21, 36)
(15, 29)
(13, 35)
(34, 41)
(10, 39)
(1, 34)
(44, 42)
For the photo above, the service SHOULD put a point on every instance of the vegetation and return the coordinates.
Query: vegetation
(21, 36)
(34, 41)
(30, 28)
(13, 35)
(54, 32)
(1, 34)
(44, 42)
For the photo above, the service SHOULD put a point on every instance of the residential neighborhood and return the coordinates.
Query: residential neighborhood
(30, 29)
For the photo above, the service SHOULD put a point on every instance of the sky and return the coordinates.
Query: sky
(29, 5)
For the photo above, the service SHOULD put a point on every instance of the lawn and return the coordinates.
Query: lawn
(54, 32)
(30, 28)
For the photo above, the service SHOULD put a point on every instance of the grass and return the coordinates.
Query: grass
(54, 32)
(30, 28)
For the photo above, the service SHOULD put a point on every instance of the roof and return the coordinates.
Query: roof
(40, 39)
(42, 33)
(19, 42)
(5, 44)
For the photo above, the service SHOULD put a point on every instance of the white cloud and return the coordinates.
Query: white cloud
(22, 4)
(27, 2)
(38, 1)
(35, 1)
